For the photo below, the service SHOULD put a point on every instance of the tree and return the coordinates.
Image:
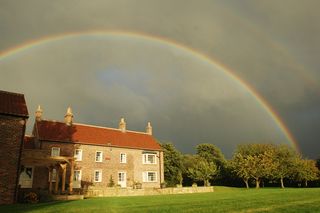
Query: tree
(202, 170)
(318, 163)
(188, 161)
(258, 160)
(173, 165)
(211, 153)
(306, 170)
(239, 164)
(283, 162)
(260, 167)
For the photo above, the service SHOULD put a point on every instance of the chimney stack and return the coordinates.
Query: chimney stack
(68, 118)
(38, 113)
(149, 129)
(122, 125)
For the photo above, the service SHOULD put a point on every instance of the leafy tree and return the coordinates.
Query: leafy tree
(258, 160)
(239, 164)
(283, 162)
(202, 170)
(211, 153)
(318, 163)
(173, 165)
(260, 167)
(188, 161)
(306, 170)
(253, 149)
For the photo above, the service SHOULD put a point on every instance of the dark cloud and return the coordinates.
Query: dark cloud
(272, 45)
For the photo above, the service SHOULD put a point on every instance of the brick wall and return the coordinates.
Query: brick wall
(110, 165)
(40, 177)
(11, 133)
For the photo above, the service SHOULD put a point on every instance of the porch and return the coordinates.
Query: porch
(56, 168)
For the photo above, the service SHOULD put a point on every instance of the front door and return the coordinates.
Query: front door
(77, 179)
(122, 179)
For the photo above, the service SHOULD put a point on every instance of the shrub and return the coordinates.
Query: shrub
(111, 182)
(137, 185)
(31, 197)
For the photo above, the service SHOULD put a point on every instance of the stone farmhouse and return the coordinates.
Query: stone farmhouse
(64, 157)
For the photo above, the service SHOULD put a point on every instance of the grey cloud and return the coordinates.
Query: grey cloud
(272, 45)
(187, 100)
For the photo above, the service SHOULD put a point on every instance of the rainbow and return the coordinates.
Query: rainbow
(255, 95)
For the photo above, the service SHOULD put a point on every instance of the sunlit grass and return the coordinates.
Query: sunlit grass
(224, 199)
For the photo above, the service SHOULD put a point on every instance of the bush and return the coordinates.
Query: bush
(111, 182)
(31, 197)
(137, 185)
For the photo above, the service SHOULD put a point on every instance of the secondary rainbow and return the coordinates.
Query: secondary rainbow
(263, 103)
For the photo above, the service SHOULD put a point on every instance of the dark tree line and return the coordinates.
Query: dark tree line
(250, 162)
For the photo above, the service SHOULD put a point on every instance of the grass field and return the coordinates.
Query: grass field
(224, 199)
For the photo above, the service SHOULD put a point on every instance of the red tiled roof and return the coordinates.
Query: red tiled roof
(28, 142)
(86, 134)
(13, 104)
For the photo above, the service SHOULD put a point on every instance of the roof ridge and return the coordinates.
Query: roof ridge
(102, 127)
(13, 93)
(95, 126)
(50, 120)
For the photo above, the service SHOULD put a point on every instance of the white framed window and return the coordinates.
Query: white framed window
(97, 175)
(77, 175)
(77, 178)
(121, 176)
(55, 151)
(122, 179)
(123, 158)
(149, 158)
(78, 154)
(98, 156)
(53, 175)
(149, 176)
(26, 177)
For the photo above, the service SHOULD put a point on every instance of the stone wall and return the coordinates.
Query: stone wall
(115, 192)
(110, 165)
(11, 135)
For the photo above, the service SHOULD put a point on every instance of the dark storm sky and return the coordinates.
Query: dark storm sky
(274, 46)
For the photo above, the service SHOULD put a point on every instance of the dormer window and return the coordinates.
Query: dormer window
(55, 151)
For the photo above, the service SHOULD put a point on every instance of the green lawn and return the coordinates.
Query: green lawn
(224, 199)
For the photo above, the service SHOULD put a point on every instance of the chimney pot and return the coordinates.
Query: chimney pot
(38, 113)
(149, 129)
(122, 125)
(68, 118)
